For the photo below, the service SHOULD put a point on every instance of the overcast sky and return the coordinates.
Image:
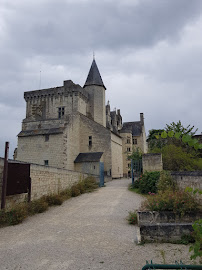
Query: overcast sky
(149, 53)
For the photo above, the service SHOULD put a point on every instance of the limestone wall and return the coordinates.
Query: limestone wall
(117, 161)
(101, 140)
(152, 162)
(46, 180)
(97, 103)
(189, 179)
(35, 149)
(127, 145)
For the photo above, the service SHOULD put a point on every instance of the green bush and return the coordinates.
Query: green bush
(175, 158)
(148, 182)
(37, 206)
(53, 199)
(75, 191)
(179, 202)
(132, 218)
(197, 246)
(166, 182)
(16, 215)
(66, 194)
(90, 184)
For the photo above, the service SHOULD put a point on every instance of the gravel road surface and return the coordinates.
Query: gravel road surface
(86, 232)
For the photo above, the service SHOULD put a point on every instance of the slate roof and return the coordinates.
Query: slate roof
(136, 127)
(36, 132)
(88, 157)
(94, 77)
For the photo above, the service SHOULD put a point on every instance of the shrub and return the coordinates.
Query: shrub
(75, 191)
(179, 202)
(81, 186)
(37, 206)
(53, 199)
(90, 184)
(197, 246)
(66, 194)
(166, 182)
(132, 218)
(16, 215)
(148, 182)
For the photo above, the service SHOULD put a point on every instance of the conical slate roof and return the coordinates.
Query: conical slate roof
(94, 77)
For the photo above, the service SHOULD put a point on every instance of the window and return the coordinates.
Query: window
(134, 141)
(128, 149)
(90, 141)
(46, 138)
(128, 140)
(128, 165)
(46, 162)
(61, 112)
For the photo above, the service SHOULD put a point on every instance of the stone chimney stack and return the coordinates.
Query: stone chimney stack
(142, 118)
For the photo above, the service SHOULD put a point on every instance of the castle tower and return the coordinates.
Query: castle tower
(94, 86)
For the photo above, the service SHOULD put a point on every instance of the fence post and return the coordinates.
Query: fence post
(5, 175)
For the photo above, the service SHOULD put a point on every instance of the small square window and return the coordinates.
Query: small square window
(46, 138)
(46, 162)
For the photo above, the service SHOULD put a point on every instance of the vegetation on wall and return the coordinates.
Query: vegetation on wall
(180, 151)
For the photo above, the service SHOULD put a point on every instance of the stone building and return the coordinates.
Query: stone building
(69, 125)
(134, 137)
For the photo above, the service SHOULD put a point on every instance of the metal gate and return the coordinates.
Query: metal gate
(101, 174)
(18, 180)
(136, 169)
(171, 266)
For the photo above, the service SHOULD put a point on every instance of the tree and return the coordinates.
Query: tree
(178, 128)
(152, 141)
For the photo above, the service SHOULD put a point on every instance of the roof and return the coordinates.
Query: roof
(88, 157)
(135, 126)
(35, 132)
(94, 77)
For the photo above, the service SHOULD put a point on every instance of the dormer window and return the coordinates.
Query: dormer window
(61, 112)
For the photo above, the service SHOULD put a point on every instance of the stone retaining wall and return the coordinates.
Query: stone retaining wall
(152, 162)
(45, 180)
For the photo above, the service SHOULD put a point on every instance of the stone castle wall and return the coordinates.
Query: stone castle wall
(101, 140)
(35, 149)
(117, 162)
(152, 162)
(45, 180)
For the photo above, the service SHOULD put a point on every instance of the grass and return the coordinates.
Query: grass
(21, 211)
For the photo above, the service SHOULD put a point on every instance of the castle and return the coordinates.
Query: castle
(70, 127)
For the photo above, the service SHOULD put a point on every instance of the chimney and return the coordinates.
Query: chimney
(142, 118)
(118, 111)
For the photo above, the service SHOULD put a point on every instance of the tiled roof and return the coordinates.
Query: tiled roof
(136, 127)
(88, 157)
(94, 77)
(36, 132)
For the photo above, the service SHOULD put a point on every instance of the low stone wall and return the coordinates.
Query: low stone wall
(152, 162)
(154, 217)
(45, 180)
(189, 179)
(164, 232)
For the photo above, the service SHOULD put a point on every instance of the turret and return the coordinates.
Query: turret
(95, 87)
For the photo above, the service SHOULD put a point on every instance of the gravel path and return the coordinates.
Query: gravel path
(86, 232)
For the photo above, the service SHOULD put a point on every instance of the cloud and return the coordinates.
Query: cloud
(148, 52)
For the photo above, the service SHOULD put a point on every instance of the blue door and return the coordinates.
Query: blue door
(101, 174)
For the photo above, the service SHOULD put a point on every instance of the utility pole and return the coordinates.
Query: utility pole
(5, 175)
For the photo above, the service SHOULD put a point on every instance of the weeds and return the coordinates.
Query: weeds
(132, 218)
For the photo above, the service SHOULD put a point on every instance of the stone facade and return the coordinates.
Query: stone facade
(134, 137)
(46, 180)
(152, 162)
(64, 121)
